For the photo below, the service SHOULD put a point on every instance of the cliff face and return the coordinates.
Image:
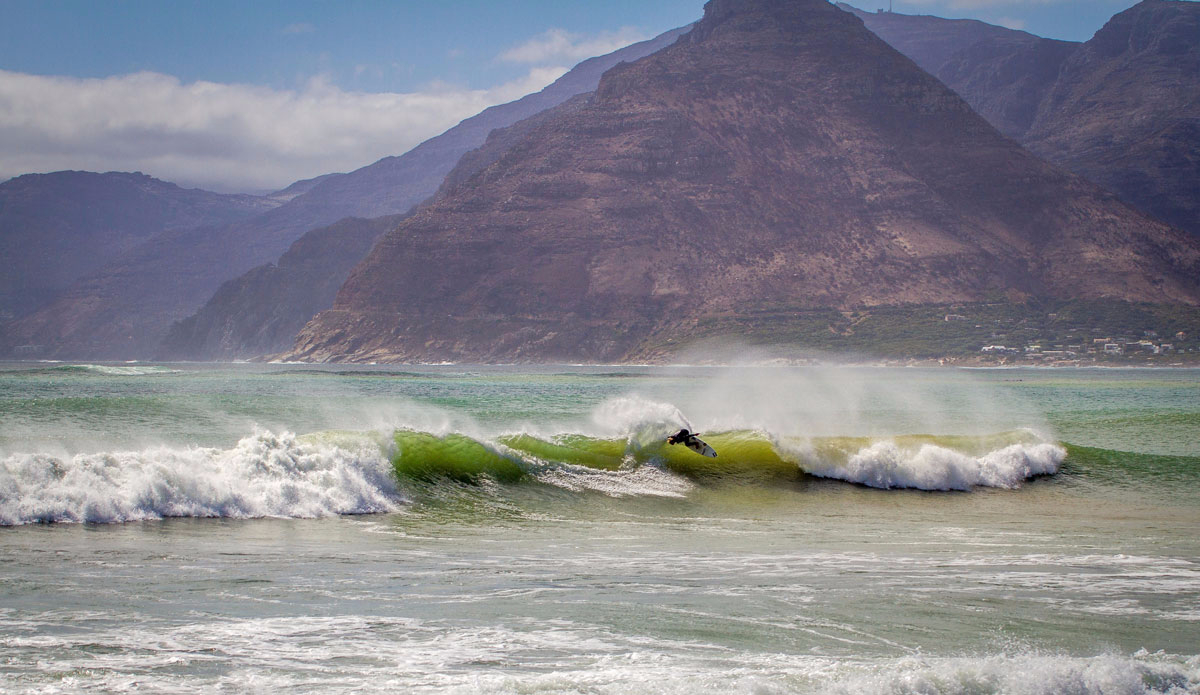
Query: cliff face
(778, 154)
(1003, 74)
(127, 310)
(1125, 111)
(56, 227)
(1121, 110)
(261, 311)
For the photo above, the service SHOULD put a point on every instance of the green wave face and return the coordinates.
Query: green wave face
(573, 449)
(744, 456)
(1126, 467)
(426, 457)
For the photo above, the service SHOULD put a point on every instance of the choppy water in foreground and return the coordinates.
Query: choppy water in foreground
(291, 529)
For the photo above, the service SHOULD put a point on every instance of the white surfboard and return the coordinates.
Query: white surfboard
(698, 446)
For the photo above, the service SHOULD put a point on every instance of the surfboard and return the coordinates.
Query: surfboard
(698, 446)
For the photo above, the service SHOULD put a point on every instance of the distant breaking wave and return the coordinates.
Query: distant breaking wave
(338, 473)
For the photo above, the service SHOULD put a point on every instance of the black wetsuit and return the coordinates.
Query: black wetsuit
(680, 437)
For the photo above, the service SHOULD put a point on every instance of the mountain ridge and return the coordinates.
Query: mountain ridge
(849, 182)
(126, 308)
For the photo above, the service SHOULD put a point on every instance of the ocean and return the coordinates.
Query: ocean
(237, 528)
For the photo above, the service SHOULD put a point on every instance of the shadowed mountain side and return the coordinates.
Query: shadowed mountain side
(1122, 109)
(261, 311)
(57, 227)
(1125, 111)
(390, 186)
(779, 154)
(1002, 73)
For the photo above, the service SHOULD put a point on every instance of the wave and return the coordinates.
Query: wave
(922, 462)
(1142, 673)
(335, 473)
(265, 475)
(109, 369)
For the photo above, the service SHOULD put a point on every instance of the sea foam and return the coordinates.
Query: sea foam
(264, 475)
(886, 464)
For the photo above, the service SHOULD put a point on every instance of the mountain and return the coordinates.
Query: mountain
(125, 309)
(57, 227)
(779, 156)
(262, 310)
(1125, 111)
(1002, 73)
(1122, 109)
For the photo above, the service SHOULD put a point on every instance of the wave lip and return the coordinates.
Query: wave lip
(265, 475)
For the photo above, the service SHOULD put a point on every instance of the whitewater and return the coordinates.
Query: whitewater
(290, 528)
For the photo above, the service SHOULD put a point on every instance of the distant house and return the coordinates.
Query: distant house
(1114, 349)
(999, 350)
(955, 317)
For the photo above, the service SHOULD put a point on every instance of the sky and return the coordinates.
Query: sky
(252, 95)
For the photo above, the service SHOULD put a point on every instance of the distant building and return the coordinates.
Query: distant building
(955, 317)
(1114, 349)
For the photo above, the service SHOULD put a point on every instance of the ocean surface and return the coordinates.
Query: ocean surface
(170, 528)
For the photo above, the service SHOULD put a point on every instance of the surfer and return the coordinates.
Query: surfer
(681, 437)
(692, 442)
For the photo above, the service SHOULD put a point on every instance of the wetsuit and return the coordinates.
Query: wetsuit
(680, 437)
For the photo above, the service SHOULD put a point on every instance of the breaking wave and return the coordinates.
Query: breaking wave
(265, 475)
(282, 475)
(621, 452)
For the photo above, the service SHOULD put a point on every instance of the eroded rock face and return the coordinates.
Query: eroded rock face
(778, 155)
(124, 308)
(260, 312)
(1002, 73)
(1125, 111)
(1122, 109)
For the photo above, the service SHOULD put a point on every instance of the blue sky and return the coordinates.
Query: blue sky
(254, 94)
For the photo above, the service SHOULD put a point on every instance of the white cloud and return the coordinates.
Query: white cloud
(560, 45)
(222, 136)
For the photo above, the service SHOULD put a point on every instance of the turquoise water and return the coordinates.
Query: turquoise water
(286, 528)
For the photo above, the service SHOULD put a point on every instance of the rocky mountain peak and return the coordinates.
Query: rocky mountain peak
(1152, 27)
(778, 157)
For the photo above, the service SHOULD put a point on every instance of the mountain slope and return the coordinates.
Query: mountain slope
(262, 310)
(778, 155)
(1125, 111)
(56, 227)
(125, 309)
(1122, 109)
(1002, 73)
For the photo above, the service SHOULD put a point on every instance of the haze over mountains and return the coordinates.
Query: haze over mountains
(747, 166)
(778, 156)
